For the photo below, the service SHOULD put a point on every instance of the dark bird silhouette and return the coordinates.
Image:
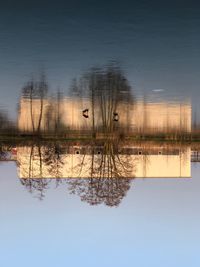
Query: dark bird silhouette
(85, 113)
(115, 116)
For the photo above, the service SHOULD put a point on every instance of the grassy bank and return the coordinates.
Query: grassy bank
(88, 137)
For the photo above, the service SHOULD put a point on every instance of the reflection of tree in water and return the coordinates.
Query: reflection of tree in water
(6, 125)
(107, 88)
(110, 177)
(36, 90)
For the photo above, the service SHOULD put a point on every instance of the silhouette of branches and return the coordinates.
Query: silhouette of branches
(109, 179)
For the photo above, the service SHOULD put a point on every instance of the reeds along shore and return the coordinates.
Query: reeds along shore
(16, 136)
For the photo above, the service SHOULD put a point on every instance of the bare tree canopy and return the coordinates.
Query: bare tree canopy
(109, 179)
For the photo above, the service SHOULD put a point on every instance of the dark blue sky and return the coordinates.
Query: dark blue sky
(157, 43)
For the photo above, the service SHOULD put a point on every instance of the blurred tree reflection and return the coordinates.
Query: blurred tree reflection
(6, 125)
(36, 90)
(106, 87)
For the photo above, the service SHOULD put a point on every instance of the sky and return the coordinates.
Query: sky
(156, 42)
(156, 224)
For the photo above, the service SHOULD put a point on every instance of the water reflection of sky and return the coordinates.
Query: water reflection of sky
(157, 224)
(157, 43)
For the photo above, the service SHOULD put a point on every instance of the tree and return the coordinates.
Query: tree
(109, 179)
(53, 159)
(100, 190)
(33, 177)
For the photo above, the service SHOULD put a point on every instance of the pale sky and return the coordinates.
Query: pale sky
(157, 224)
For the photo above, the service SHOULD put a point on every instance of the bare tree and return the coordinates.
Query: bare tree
(109, 179)
(33, 176)
(53, 158)
(100, 191)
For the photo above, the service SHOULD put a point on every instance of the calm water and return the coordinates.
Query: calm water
(99, 110)
(156, 43)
